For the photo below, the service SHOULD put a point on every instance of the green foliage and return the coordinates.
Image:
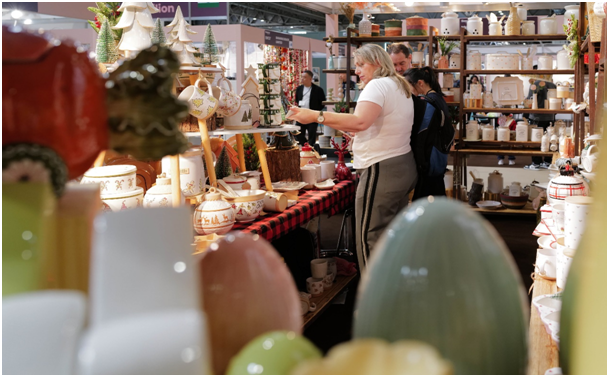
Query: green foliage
(223, 166)
(106, 11)
(341, 106)
(210, 47)
(446, 46)
(252, 162)
(106, 45)
(158, 35)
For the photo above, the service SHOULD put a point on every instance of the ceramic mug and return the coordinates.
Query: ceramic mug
(317, 172)
(275, 201)
(319, 268)
(558, 214)
(305, 303)
(327, 170)
(315, 286)
(309, 176)
(564, 257)
(228, 102)
(589, 162)
(201, 105)
(328, 280)
(332, 269)
(577, 209)
(546, 263)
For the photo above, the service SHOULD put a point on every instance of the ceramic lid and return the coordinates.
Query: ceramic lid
(496, 172)
(234, 179)
(450, 15)
(110, 171)
(306, 147)
(213, 194)
(162, 186)
(124, 195)
(475, 18)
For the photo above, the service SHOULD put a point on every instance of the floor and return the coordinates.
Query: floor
(334, 326)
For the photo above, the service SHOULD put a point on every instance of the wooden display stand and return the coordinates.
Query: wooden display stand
(284, 165)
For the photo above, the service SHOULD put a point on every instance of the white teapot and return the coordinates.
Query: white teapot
(214, 215)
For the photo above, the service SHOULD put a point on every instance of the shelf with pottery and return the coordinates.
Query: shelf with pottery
(508, 110)
(259, 130)
(514, 38)
(520, 72)
(322, 302)
(382, 38)
(527, 210)
(447, 70)
(513, 152)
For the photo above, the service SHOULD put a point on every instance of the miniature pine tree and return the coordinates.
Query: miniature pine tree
(179, 39)
(106, 11)
(210, 47)
(106, 46)
(137, 24)
(158, 35)
(249, 114)
(223, 166)
(244, 119)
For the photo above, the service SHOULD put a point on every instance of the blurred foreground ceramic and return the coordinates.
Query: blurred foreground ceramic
(247, 291)
(41, 331)
(460, 293)
(275, 353)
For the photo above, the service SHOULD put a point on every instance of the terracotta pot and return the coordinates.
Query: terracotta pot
(443, 62)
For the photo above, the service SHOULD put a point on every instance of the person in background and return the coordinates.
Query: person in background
(343, 81)
(474, 80)
(425, 84)
(309, 96)
(382, 154)
(400, 56)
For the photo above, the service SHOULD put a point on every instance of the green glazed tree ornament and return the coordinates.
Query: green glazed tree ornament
(442, 275)
(275, 353)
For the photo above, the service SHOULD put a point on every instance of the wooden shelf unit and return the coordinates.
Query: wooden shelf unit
(383, 38)
(526, 210)
(514, 38)
(338, 71)
(511, 152)
(520, 72)
(322, 302)
(447, 70)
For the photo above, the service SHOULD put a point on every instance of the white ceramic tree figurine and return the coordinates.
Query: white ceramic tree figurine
(136, 22)
(179, 39)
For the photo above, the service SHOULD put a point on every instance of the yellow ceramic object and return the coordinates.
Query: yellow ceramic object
(375, 356)
(512, 26)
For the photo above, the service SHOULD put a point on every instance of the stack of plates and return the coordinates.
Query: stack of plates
(324, 141)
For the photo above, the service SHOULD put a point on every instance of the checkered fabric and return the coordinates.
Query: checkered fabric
(311, 203)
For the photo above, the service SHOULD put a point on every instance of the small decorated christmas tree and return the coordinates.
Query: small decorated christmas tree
(210, 47)
(158, 35)
(223, 166)
(106, 46)
(179, 39)
(106, 11)
(137, 24)
(244, 119)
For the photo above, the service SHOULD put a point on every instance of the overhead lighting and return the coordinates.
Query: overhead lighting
(16, 14)
(291, 27)
(27, 21)
(297, 32)
(261, 20)
(254, 18)
(409, 3)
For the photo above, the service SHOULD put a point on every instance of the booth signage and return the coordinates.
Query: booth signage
(197, 10)
(277, 39)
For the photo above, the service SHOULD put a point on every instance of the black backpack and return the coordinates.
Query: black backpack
(432, 136)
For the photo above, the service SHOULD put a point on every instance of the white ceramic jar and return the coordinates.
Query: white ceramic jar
(503, 134)
(552, 93)
(160, 195)
(515, 189)
(214, 215)
(555, 103)
(113, 179)
(547, 26)
(502, 61)
(522, 13)
(341, 62)
(192, 172)
(449, 24)
(495, 182)
(472, 130)
(522, 131)
(488, 133)
(474, 60)
(536, 134)
(123, 200)
(487, 102)
(528, 27)
(545, 143)
(474, 25)
(455, 61)
(418, 58)
(526, 63)
(494, 28)
(562, 60)
(570, 10)
(545, 62)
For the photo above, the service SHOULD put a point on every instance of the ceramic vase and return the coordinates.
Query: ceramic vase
(534, 104)
(443, 62)
(342, 172)
(512, 26)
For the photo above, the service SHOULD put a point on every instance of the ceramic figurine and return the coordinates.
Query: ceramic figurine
(179, 40)
(137, 23)
(342, 172)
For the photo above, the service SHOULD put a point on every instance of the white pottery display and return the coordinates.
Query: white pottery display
(536, 134)
(113, 179)
(522, 12)
(565, 185)
(455, 61)
(515, 189)
(488, 133)
(522, 133)
(449, 24)
(555, 103)
(123, 200)
(495, 28)
(526, 63)
(474, 25)
(472, 130)
(341, 62)
(487, 102)
(248, 205)
(508, 91)
(528, 27)
(235, 181)
(502, 61)
(242, 119)
(474, 61)
(563, 91)
(577, 209)
(545, 62)
(503, 134)
(495, 182)
(192, 172)
(213, 215)
(547, 26)
(569, 10)
(160, 195)
(562, 60)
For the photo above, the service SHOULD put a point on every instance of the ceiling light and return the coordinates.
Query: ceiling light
(27, 21)
(297, 32)
(291, 27)
(254, 18)
(16, 14)
(261, 20)
(409, 3)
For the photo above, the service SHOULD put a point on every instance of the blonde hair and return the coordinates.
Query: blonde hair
(374, 54)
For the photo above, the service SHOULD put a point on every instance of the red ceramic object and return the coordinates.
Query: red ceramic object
(54, 96)
(342, 172)
(247, 291)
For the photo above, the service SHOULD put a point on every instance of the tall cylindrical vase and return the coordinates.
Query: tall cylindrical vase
(512, 27)
(365, 27)
(534, 104)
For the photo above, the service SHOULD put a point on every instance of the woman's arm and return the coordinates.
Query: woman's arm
(365, 114)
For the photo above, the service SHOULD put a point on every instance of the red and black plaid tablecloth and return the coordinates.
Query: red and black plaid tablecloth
(309, 205)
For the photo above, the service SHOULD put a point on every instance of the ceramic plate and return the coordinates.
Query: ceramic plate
(325, 185)
(508, 91)
(488, 204)
(288, 186)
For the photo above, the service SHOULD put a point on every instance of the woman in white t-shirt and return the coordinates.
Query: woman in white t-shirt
(382, 123)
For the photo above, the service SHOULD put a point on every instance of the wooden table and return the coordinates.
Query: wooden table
(543, 352)
(326, 298)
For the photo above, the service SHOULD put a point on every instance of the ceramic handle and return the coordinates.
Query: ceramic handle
(206, 83)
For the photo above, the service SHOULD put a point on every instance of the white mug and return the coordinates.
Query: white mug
(309, 176)
(254, 183)
(558, 214)
(305, 303)
(317, 172)
(564, 257)
(329, 280)
(327, 170)
(546, 262)
(589, 162)
(201, 105)
(319, 268)
(315, 286)
(275, 201)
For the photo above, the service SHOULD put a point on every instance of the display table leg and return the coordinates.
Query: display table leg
(261, 146)
(239, 138)
(174, 169)
(209, 161)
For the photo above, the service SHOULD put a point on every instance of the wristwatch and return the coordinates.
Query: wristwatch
(320, 118)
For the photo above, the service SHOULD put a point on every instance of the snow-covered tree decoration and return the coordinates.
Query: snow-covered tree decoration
(179, 39)
(106, 46)
(136, 22)
(210, 47)
(158, 35)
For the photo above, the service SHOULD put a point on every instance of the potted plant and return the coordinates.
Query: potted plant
(445, 48)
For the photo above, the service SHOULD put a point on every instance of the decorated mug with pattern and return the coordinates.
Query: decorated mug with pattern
(229, 102)
(315, 286)
(201, 105)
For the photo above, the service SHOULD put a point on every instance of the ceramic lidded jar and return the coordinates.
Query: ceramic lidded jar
(570, 10)
(455, 61)
(192, 172)
(564, 185)
(214, 215)
(307, 156)
(235, 181)
(449, 24)
(160, 195)
(474, 25)
(528, 27)
(472, 130)
(562, 60)
(494, 28)
(495, 182)
(545, 62)
(547, 26)
(474, 60)
(488, 133)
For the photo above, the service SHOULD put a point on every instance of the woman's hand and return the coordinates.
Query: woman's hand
(302, 116)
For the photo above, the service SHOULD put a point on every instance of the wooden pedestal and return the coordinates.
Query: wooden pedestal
(284, 165)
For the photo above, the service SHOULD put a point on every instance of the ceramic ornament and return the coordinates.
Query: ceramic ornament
(179, 40)
(137, 24)
(249, 92)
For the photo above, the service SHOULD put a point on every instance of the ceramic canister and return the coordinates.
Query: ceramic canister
(327, 169)
(341, 62)
(393, 28)
(562, 60)
(565, 185)
(416, 25)
(494, 28)
(449, 24)
(474, 60)
(570, 10)
(213, 215)
(577, 209)
(555, 103)
(113, 179)
(160, 195)
(488, 133)
(547, 26)
(536, 134)
(528, 27)
(503, 134)
(522, 131)
(495, 182)
(455, 61)
(474, 25)
(123, 200)
(192, 172)
(487, 100)
(472, 130)
(545, 62)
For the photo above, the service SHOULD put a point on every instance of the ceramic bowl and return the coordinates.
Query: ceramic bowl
(113, 179)
(488, 204)
(122, 201)
(235, 182)
(514, 202)
(546, 242)
(248, 205)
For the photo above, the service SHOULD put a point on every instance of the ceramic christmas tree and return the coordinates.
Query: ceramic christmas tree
(210, 47)
(106, 46)
(249, 92)
(223, 166)
(179, 39)
(158, 35)
(137, 24)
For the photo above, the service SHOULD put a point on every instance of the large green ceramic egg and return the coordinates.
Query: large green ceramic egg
(441, 274)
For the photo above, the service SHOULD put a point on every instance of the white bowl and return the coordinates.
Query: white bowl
(248, 205)
(547, 242)
(123, 200)
(488, 204)
(113, 179)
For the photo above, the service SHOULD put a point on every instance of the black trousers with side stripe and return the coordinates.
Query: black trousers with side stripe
(381, 194)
